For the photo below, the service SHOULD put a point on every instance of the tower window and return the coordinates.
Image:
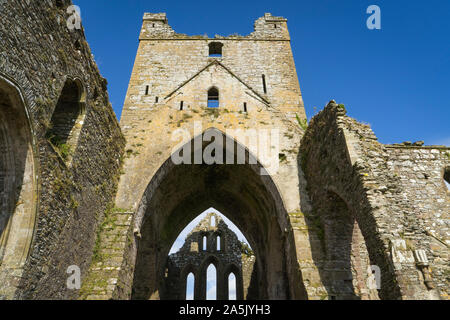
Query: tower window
(245, 106)
(213, 98)
(181, 105)
(264, 83)
(215, 49)
(156, 99)
(146, 90)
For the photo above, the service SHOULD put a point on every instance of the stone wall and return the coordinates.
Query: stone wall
(73, 182)
(395, 196)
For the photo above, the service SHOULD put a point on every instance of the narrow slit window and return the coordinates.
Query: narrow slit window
(218, 243)
(232, 287)
(156, 99)
(146, 90)
(190, 285)
(204, 243)
(213, 221)
(245, 106)
(181, 105)
(213, 98)
(264, 83)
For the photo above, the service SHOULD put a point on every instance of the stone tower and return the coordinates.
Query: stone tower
(252, 84)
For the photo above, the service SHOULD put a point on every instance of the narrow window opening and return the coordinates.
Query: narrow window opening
(190, 284)
(232, 287)
(245, 106)
(211, 283)
(156, 99)
(213, 221)
(218, 243)
(146, 90)
(204, 243)
(275, 26)
(447, 178)
(264, 83)
(215, 49)
(213, 98)
(181, 105)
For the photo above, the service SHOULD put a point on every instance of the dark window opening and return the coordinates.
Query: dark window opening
(275, 26)
(264, 83)
(245, 106)
(215, 49)
(146, 90)
(213, 98)
(156, 99)
(181, 105)
(447, 177)
(67, 118)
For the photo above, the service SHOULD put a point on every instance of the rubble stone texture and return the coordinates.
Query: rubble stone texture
(342, 217)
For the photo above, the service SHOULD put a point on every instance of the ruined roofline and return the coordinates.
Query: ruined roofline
(267, 28)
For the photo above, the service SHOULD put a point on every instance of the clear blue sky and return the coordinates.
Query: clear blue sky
(396, 79)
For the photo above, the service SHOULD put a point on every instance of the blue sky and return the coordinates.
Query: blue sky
(395, 79)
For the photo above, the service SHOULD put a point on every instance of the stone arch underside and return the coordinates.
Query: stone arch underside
(175, 196)
(17, 187)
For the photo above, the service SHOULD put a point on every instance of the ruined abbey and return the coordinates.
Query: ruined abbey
(342, 216)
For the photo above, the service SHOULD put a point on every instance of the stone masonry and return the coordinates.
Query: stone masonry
(342, 216)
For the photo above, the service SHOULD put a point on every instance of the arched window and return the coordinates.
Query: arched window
(67, 119)
(211, 283)
(205, 243)
(232, 287)
(213, 221)
(213, 98)
(215, 49)
(17, 186)
(218, 243)
(190, 285)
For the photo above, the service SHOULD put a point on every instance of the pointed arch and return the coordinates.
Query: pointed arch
(249, 199)
(18, 186)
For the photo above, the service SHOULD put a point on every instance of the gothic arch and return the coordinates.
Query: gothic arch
(345, 250)
(232, 268)
(250, 200)
(18, 186)
(202, 277)
(184, 274)
(68, 118)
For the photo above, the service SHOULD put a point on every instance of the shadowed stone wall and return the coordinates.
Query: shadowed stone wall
(396, 196)
(65, 188)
